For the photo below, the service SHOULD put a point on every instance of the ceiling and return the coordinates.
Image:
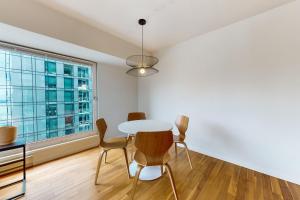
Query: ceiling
(169, 21)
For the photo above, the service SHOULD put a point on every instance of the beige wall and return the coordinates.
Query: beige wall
(37, 18)
(240, 87)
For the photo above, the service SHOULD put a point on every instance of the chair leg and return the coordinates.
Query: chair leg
(187, 153)
(171, 180)
(105, 157)
(98, 166)
(136, 178)
(132, 149)
(162, 169)
(175, 145)
(126, 159)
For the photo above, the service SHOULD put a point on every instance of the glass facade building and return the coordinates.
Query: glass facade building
(44, 98)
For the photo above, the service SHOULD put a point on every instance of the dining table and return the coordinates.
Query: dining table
(132, 128)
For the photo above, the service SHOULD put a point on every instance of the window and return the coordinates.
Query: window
(50, 81)
(45, 98)
(50, 67)
(68, 70)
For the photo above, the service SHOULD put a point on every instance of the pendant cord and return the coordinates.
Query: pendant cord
(142, 46)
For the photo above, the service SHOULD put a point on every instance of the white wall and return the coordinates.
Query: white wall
(240, 87)
(117, 96)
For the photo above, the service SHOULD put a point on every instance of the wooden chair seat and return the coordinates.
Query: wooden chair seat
(115, 143)
(141, 159)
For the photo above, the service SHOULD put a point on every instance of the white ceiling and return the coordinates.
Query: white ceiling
(169, 21)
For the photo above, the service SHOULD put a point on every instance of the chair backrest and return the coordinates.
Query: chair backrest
(102, 127)
(154, 145)
(136, 116)
(182, 123)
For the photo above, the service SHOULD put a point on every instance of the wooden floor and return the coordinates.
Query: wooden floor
(73, 178)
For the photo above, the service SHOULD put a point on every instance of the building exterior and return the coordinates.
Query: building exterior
(44, 97)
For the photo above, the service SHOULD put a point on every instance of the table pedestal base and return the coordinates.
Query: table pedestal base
(147, 173)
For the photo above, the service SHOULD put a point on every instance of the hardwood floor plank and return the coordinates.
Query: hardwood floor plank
(211, 179)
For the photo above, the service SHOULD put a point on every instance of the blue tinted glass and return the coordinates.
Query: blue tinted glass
(69, 96)
(68, 83)
(52, 124)
(69, 108)
(51, 95)
(44, 98)
(68, 70)
(52, 134)
(50, 67)
(51, 81)
(26, 63)
(51, 110)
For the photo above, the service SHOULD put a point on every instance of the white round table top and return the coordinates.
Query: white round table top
(132, 127)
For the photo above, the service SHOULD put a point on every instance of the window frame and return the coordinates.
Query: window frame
(63, 58)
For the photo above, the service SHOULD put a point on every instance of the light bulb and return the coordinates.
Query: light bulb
(142, 71)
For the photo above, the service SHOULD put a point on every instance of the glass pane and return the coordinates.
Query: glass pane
(51, 95)
(69, 122)
(2, 78)
(41, 124)
(68, 83)
(60, 82)
(16, 94)
(68, 70)
(61, 123)
(69, 109)
(60, 109)
(17, 112)
(69, 96)
(3, 113)
(39, 65)
(51, 110)
(15, 79)
(69, 131)
(83, 84)
(2, 59)
(41, 110)
(16, 61)
(3, 97)
(50, 67)
(59, 68)
(60, 95)
(28, 127)
(40, 95)
(26, 63)
(28, 111)
(82, 72)
(40, 80)
(27, 95)
(52, 124)
(52, 134)
(51, 81)
(27, 79)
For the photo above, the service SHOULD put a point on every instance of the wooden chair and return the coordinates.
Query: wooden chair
(115, 143)
(152, 150)
(182, 125)
(136, 116)
(131, 117)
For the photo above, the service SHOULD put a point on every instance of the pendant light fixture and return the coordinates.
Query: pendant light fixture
(142, 65)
